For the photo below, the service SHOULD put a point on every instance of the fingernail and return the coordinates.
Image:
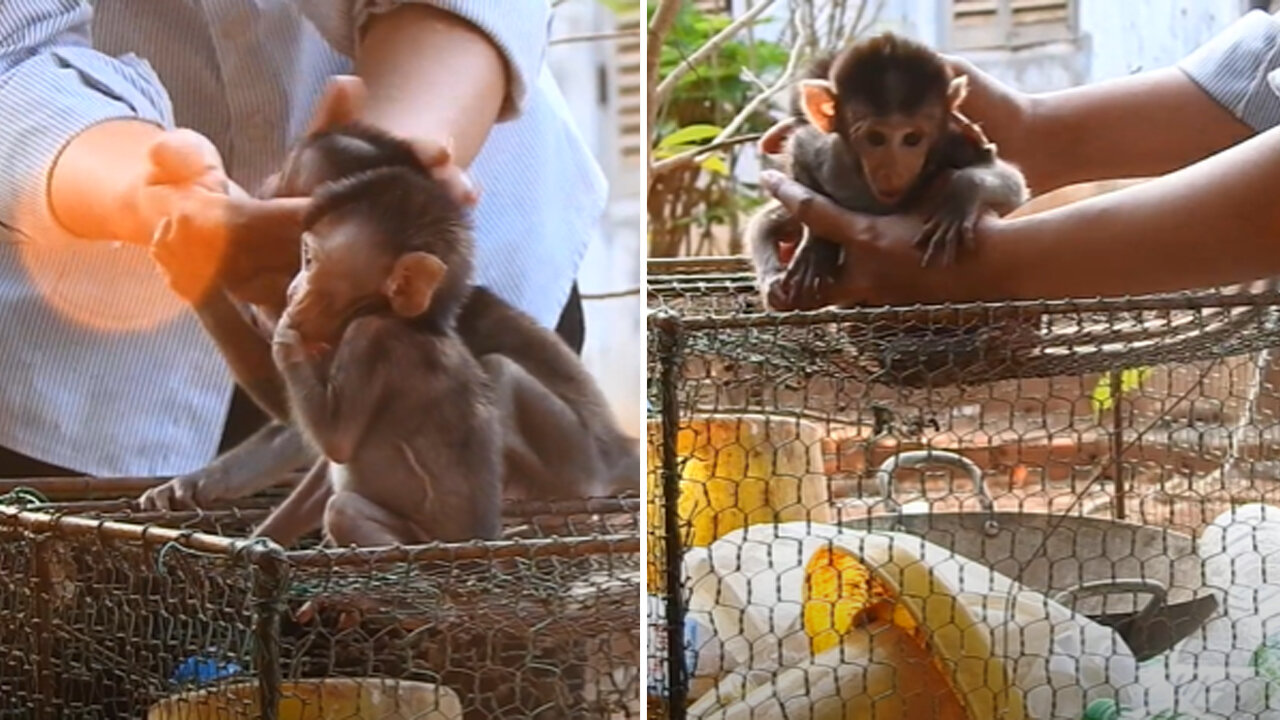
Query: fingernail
(769, 179)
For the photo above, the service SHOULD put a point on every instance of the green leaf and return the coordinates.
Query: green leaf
(715, 164)
(1102, 709)
(1266, 659)
(690, 134)
(1130, 380)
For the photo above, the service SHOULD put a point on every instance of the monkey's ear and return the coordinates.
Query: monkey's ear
(341, 103)
(818, 100)
(412, 283)
(957, 91)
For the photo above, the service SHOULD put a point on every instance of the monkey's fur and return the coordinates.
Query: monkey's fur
(879, 81)
(572, 449)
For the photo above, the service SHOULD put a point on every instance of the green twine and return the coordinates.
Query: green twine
(23, 497)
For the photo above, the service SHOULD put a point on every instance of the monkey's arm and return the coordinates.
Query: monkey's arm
(302, 511)
(258, 463)
(966, 194)
(334, 406)
(1212, 223)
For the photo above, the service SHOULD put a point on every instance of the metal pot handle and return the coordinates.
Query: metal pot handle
(1158, 592)
(919, 458)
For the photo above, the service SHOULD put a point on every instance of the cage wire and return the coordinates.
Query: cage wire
(111, 612)
(1023, 510)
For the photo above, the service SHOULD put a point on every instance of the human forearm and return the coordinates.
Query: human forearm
(1209, 224)
(432, 76)
(46, 105)
(1138, 126)
(96, 175)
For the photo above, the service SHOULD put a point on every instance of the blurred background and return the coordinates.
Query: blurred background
(596, 58)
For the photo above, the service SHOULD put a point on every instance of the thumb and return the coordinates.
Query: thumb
(184, 155)
(342, 103)
(817, 212)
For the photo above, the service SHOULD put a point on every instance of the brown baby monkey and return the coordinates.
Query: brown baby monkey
(377, 376)
(878, 130)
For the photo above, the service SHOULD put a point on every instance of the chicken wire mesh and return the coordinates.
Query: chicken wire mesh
(112, 612)
(1039, 510)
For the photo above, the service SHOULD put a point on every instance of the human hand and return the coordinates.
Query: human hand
(1003, 112)
(344, 102)
(882, 264)
(207, 232)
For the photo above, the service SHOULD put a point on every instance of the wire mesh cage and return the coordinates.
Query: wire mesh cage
(113, 612)
(1024, 510)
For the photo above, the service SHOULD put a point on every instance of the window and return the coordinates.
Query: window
(1010, 24)
(629, 90)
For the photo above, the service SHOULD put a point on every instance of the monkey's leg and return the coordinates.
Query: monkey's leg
(302, 511)
(767, 231)
(351, 519)
(549, 453)
(252, 466)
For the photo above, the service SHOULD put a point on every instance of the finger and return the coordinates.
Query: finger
(458, 184)
(771, 143)
(342, 102)
(159, 499)
(930, 250)
(184, 155)
(434, 153)
(820, 214)
(305, 613)
(925, 238)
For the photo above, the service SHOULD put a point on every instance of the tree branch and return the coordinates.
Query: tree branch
(693, 155)
(669, 82)
(664, 17)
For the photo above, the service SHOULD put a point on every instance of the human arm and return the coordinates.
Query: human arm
(1141, 125)
(1212, 223)
(54, 89)
(439, 71)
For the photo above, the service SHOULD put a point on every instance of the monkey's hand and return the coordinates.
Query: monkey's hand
(950, 228)
(287, 345)
(812, 274)
(188, 492)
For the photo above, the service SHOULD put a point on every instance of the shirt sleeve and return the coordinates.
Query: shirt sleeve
(518, 28)
(54, 85)
(1233, 68)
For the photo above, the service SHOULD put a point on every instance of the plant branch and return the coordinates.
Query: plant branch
(588, 37)
(664, 18)
(668, 83)
(693, 155)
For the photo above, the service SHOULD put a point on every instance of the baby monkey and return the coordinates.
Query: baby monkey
(377, 376)
(880, 132)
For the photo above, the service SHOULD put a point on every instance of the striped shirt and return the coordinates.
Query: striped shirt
(104, 370)
(1240, 69)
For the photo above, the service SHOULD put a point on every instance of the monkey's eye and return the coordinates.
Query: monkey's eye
(913, 138)
(875, 138)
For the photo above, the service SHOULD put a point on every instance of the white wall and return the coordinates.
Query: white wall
(615, 326)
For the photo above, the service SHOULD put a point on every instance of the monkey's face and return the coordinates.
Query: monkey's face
(341, 277)
(346, 274)
(893, 151)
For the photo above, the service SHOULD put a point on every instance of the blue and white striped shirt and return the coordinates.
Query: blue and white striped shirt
(1240, 69)
(104, 370)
